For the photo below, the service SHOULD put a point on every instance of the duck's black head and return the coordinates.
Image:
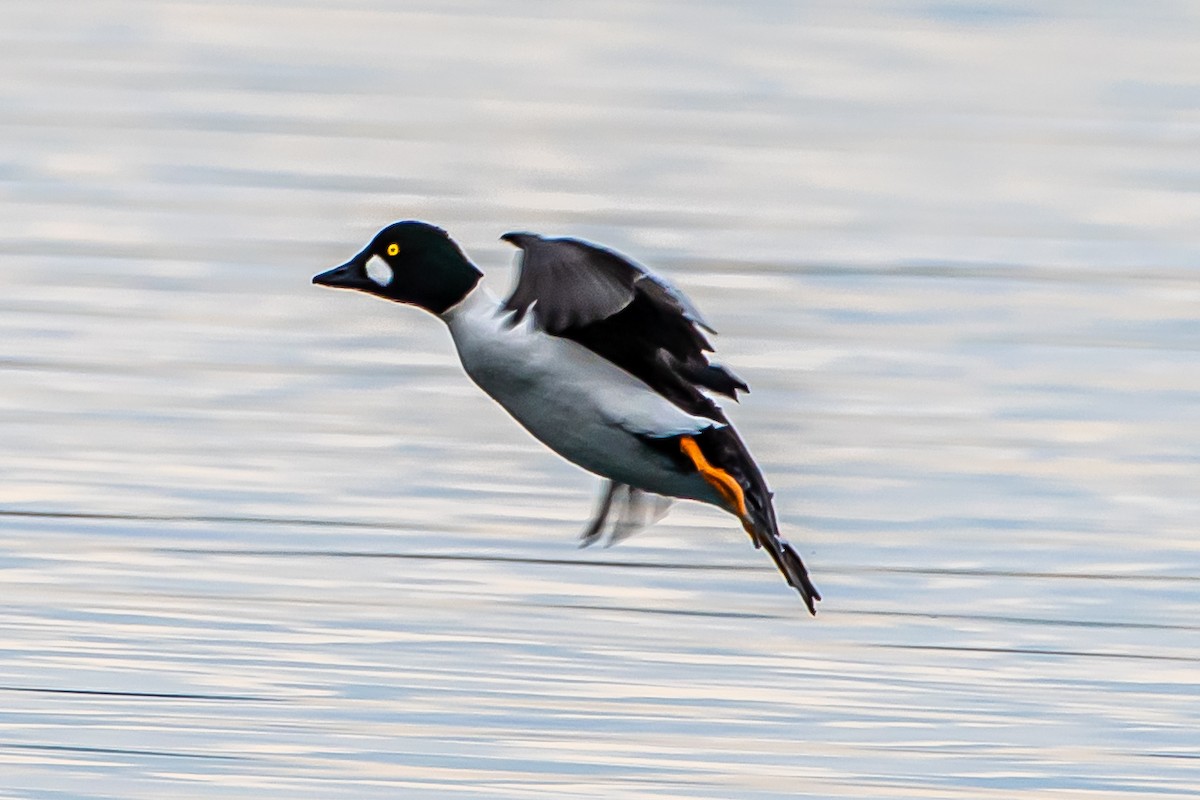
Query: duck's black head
(409, 262)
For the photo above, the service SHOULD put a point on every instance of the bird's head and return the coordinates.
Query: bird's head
(408, 262)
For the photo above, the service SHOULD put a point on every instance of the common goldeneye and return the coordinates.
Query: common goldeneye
(602, 361)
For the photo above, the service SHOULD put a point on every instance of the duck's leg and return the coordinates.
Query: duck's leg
(725, 484)
(596, 526)
(766, 532)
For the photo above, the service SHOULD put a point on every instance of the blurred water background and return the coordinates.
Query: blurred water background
(262, 539)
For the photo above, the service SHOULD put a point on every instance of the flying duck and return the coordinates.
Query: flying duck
(602, 361)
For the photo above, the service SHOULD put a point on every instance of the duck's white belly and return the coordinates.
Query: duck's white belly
(576, 403)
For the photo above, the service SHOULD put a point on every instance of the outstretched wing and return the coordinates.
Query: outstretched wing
(622, 312)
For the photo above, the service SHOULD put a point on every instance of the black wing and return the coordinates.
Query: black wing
(622, 312)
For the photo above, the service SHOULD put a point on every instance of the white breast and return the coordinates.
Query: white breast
(575, 402)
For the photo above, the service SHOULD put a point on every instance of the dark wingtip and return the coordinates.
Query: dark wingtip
(520, 238)
(720, 379)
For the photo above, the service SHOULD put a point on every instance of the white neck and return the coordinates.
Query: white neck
(478, 301)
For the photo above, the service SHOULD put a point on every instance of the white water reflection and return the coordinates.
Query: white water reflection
(260, 537)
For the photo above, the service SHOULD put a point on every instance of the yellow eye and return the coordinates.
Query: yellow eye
(393, 249)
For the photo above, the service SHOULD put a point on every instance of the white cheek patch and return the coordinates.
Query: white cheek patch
(379, 271)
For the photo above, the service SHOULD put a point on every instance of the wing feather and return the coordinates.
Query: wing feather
(624, 313)
(568, 283)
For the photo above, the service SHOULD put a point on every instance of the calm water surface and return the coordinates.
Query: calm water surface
(259, 539)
